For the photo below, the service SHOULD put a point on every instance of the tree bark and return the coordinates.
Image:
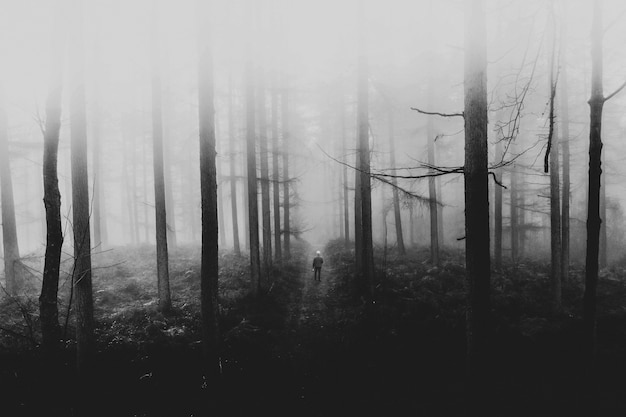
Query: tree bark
(165, 300)
(9, 227)
(253, 207)
(432, 191)
(233, 162)
(596, 103)
(477, 250)
(286, 203)
(276, 170)
(514, 221)
(208, 194)
(555, 192)
(396, 197)
(367, 257)
(565, 145)
(170, 205)
(344, 173)
(85, 339)
(497, 211)
(603, 254)
(264, 174)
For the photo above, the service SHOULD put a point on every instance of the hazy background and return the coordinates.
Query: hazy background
(311, 45)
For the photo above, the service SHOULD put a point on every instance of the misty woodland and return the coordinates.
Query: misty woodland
(313, 208)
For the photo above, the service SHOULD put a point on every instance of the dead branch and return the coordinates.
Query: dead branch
(434, 113)
(610, 96)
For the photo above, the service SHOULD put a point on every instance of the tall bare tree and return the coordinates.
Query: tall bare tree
(208, 192)
(253, 203)
(232, 166)
(85, 339)
(264, 174)
(594, 221)
(276, 169)
(475, 172)
(286, 136)
(9, 227)
(552, 165)
(432, 189)
(367, 247)
(163, 279)
(565, 146)
(396, 197)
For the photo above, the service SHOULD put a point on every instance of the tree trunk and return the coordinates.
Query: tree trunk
(220, 192)
(208, 194)
(170, 205)
(514, 222)
(565, 139)
(253, 204)
(99, 225)
(85, 339)
(497, 211)
(596, 103)
(165, 300)
(275, 170)
(233, 162)
(344, 173)
(367, 256)
(432, 192)
(555, 193)
(264, 174)
(48, 306)
(286, 202)
(477, 251)
(9, 228)
(603, 255)
(396, 197)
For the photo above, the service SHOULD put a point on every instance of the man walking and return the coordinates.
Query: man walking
(317, 266)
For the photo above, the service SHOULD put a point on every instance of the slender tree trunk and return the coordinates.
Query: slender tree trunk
(596, 103)
(9, 228)
(412, 224)
(565, 207)
(440, 219)
(432, 191)
(344, 173)
(85, 339)
(514, 214)
(264, 173)
(220, 192)
(358, 212)
(48, 305)
(208, 193)
(99, 225)
(555, 192)
(165, 300)
(603, 255)
(170, 205)
(477, 251)
(253, 207)
(275, 170)
(396, 197)
(286, 202)
(565, 143)
(233, 162)
(497, 236)
(367, 256)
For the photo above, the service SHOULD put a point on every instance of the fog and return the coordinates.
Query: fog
(310, 49)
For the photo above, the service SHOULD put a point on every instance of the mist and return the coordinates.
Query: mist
(303, 69)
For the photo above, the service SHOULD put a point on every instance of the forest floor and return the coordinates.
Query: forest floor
(307, 348)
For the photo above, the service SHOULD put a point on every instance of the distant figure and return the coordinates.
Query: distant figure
(317, 266)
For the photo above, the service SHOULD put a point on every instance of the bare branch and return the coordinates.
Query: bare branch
(610, 96)
(434, 113)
